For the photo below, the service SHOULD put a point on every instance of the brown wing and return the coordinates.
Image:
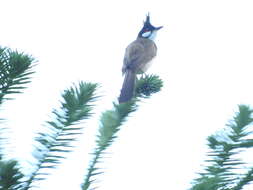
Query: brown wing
(133, 55)
(138, 53)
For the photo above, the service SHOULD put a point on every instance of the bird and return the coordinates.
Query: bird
(137, 59)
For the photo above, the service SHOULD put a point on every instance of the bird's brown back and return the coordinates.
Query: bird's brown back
(138, 54)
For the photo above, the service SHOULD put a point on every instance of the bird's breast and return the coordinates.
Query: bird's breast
(146, 66)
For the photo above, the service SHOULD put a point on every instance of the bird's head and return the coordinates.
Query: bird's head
(148, 30)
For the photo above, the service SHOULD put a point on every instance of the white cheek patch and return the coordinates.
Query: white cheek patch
(153, 35)
(146, 34)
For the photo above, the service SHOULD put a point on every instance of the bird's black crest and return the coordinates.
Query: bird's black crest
(147, 23)
(147, 26)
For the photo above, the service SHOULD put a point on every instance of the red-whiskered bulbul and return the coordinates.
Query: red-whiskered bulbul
(137, 59)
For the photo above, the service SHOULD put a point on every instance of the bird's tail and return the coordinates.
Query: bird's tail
(127, 90)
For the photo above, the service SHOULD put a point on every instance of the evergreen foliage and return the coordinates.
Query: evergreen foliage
(10, 175)
(63, 129)
(15, 71)
(55, 140)
(112, 120)
(222, 172)
(147, 85)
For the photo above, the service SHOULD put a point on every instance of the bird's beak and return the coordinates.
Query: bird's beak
(158, 28)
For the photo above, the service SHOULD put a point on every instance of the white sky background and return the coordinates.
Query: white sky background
(204, 58)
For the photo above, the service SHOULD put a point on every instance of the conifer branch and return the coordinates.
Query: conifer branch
(148, 85)
(111, 121)
(245, 180)
(10, 175)
(15, 71)
(76, 106)
(224, 160)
